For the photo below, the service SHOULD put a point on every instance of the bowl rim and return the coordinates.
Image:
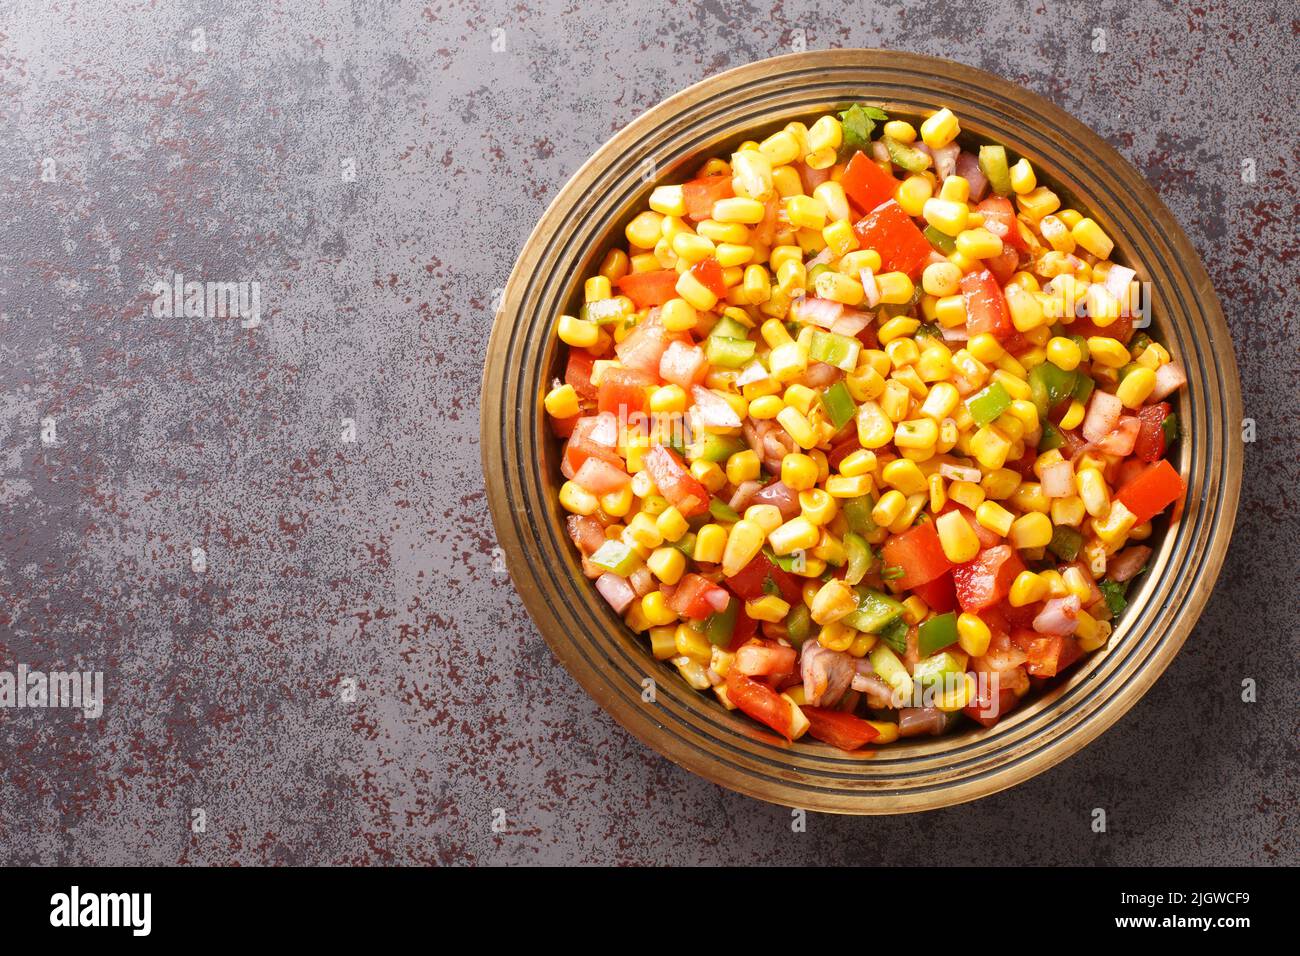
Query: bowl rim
(507, 408)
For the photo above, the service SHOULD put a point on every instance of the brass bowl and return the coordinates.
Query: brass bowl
(520, 458)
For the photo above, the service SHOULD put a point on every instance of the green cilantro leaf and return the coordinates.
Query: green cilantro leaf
(859, 121)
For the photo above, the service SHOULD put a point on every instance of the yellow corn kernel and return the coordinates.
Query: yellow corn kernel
(834, 600)
(1038, 203)
(839, 235)
(668, 200)
(945, 215)
(578, 499)
(672, 525)
(914, 610)
(787, 362)
(1073, 416)
(709, 474)
(667, 564)
(854, 465)
(826, 133)
(1077, 583)
(691, 643)
(938, 493)
(839, 288)
(645, 230)
(912, 508)
(902, 351)
(915, 433)
(990, 447)
(1023, 179)
(1057, 234)
(1092, 489)
(766, 407)
(966, 493)
(1064, 353)
(1027, 588)
(994, 517)
(743, 542)
(1092, 633)
(767, 517)
(798, 472)
(955, 189)
(1113, 529)
(562, 402)
(905, 475)
(862, 645)
(797, 534)
(831, 195)
(895, 288)
(1033, 530)
(615, 265)
(678, 315)
(875, 428)
(577, 332)
(739, 209)
(1055, 583)
(644, 530)
(888, 508)
(1026, 311)
(1104, 350)
(695, 292)
(1025, 412)
(948, 434)
(710, 542)
(912, 194)
(973, 635)
(663, 642)
(733, 232)
(643, 262)
(1001, 483)
(743, 466)
(950, 310)
(958, 540)
(941, 278)
(900, 130)
(1136, 387)
(1029, 496)
(798, 427)
(656, 610)
(843, 486)
(616, 504)
(978, 244)
(940, 129)
(805, 212)
(818, 506)
(767, 608)
(1088, 234)
(596, 288)
(781, 148)
(935, 364)
(1067, 511)
(834, 636)
(667, 399)
(751, 175)
(941, 401)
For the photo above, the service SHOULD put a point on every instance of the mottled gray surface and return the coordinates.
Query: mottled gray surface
(131, 151)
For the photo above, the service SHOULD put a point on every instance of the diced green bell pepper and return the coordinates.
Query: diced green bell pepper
(838, 350)
(728, 328)
(936, 633)
(994, 166)
(934, 668)
(685, 544)
(905, 157)
(1048, 384)
(718, 448)
(1170, 428)
(798, 624)
(895, 635)
(1051, 438)
(988, 403)
(839, 405)
(891, 670)
(1083, 387)
(616, 558)
(940, 240)
(857, 514)
(729, 353)
(722, 511)
(857, 555)
(1065, 543)
(719, 625)
(875, 610)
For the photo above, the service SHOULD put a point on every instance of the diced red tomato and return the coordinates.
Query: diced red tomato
(702, 193)
(763, 658)
(939, 595)
(709, 273)
(623, 389)
(587, 533)
(983, 709)
(1072, 441)
(1121, 328)
(697, 597)
(842, 449)
(1004, 264)
(745, 628)
(600, 477)
(986, 306)
(1022, 616)
(563, 427)
(891, 232)
(918, 552)
(1042, 652)
(866, 184)
(837, 728)
(648, 289)
(1025, 466)
(748, 583)
(1151, 492)
(674, 482)
(578, 372)
(760, 702)
(581, 447)
(1150, 445)
(986, 579)
(1000, 219)
(1070, 652)
(764, 232)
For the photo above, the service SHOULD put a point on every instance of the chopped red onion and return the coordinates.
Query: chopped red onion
(714, 411)
(617, 591)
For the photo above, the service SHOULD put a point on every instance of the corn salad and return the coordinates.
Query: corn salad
(860, 429)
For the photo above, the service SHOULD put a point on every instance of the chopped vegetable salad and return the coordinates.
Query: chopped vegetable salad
(860, 429)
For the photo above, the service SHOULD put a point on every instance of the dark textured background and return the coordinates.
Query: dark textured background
(374, 560)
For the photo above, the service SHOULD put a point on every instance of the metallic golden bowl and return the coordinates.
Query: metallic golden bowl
(521, 460)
